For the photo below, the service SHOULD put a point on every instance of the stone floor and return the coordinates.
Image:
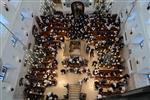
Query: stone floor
(72, 78)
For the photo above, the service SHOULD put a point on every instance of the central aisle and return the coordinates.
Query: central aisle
(72, 78)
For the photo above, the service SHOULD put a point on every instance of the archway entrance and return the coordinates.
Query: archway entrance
(77, 8)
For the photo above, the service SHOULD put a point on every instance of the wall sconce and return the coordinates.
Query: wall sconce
(5, 6)
(131, 33)
(148, 7)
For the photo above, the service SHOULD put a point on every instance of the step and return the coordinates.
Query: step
(73, 91)
(73, 98)
(74, 88)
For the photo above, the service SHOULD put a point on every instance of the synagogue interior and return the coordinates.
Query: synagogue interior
(75, 50)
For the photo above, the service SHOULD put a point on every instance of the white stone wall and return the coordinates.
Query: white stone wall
(137, 23)
(10, 55)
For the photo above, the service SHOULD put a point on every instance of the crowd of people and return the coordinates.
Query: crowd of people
(41, 73)
(75, 61)
(51, 96)
(97, 29)
(43, 63)
(108, 67)
(110, 86)
(74, 64)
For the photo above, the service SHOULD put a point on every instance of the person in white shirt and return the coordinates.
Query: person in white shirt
(99, 96)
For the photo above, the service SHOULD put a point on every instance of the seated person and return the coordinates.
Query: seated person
(63, 71)
(51, 96)
(94, 63)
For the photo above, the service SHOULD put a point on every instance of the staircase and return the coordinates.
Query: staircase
(74, 91)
